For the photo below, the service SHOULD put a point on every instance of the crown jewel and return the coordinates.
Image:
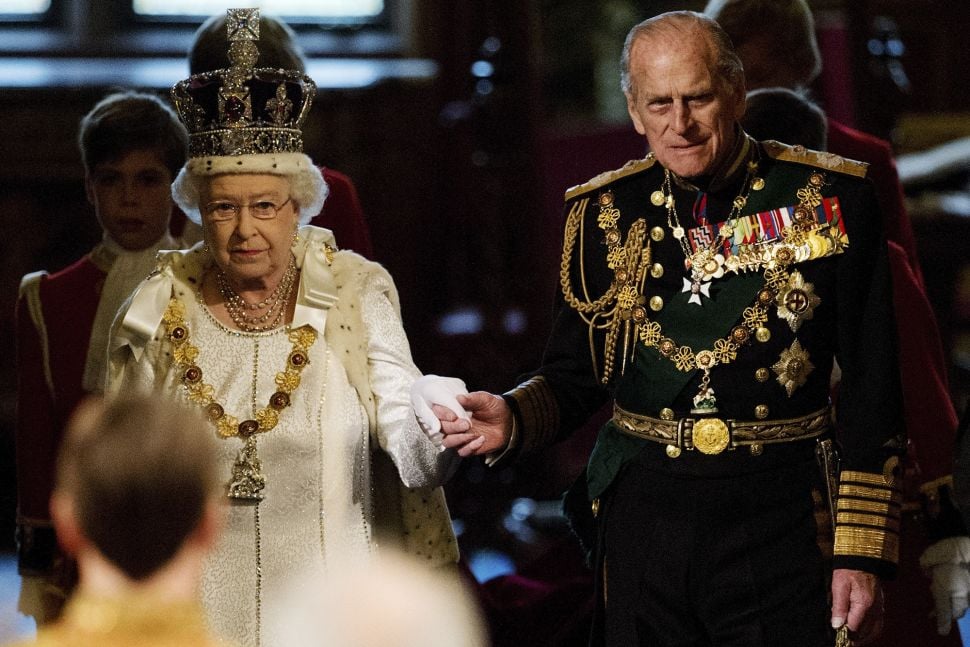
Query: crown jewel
(244, 110)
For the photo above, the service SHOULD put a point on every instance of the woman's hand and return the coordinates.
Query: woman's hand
(430, 390)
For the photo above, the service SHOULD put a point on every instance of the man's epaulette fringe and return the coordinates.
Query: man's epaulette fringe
(631, 167)
(818, 159)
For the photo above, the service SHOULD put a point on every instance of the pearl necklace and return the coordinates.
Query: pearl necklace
(268, 313)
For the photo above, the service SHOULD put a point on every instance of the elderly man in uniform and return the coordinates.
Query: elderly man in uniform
(775, 40)
(708, 289)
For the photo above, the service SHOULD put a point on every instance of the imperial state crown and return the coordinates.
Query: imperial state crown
(244, 109)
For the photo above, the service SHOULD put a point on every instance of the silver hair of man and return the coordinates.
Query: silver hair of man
(728, 66)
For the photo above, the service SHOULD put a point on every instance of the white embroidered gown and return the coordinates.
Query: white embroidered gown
(315, 460)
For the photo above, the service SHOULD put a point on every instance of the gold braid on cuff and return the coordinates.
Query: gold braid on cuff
(538, 413)
(867, 516)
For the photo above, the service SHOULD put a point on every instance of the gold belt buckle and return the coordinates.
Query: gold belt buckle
(710, 436)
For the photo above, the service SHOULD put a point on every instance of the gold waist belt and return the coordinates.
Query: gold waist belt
(714, 435)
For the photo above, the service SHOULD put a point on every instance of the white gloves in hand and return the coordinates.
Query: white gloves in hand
(948, 563)
(434, 389)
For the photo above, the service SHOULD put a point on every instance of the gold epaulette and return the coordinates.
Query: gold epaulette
(818, 159)
(30, 296)
(631, 167)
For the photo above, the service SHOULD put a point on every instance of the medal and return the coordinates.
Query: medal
(797, 301)
(696, 288)
(705, 402)
(705, 263)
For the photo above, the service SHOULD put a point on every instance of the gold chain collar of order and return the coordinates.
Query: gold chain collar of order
(185, 354)
(629, 261)
(753, 317)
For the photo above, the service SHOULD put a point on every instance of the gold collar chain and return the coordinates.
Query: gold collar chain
(754, 317)
(629, 261)
(264, 419)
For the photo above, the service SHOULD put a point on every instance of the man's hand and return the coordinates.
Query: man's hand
(489, 428)
(947, 562)
(857, 601)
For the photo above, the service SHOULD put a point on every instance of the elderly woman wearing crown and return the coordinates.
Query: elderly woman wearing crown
(294, 350)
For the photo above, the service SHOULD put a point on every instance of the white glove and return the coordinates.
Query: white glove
(948, 563)
(434, 389)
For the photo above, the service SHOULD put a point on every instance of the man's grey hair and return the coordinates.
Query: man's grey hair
(728, 68)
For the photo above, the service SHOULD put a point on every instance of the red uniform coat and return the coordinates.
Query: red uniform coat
(53, 331)
(930, 417)
(343, 215)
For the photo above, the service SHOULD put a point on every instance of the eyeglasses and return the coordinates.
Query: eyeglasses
(224, 211)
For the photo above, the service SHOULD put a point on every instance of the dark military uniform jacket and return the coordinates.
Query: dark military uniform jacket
(797, 280)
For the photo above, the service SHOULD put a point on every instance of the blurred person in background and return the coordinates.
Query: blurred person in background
(387, 601)
(132, 146)
(785, 115)
(776, 42)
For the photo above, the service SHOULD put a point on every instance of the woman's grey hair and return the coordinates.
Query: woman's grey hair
(307, 187)
(728, 66)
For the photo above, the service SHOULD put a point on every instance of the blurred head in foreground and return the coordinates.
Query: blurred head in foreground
(390, 601)
(136, 490)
